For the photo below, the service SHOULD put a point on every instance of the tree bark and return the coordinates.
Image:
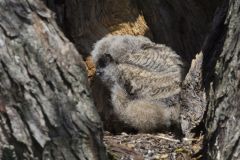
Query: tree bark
(193, 98)
(45, 106)
(222, 79)
(46, 111)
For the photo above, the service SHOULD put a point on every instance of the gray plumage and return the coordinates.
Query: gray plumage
(143, 78)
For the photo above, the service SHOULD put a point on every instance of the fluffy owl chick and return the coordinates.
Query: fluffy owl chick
(143, 78)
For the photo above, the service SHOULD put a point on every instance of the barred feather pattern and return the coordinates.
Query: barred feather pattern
(144, 79)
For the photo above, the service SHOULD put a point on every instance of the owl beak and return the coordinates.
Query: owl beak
(98, 73)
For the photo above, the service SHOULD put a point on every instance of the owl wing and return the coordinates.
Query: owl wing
(139, 82)
(158, 58)
(152, 69)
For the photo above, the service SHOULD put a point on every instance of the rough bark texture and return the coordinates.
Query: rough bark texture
(45, 107)
(193, 97)
(222, 73)
(46, 111)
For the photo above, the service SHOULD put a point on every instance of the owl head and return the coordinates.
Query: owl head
(111, 50)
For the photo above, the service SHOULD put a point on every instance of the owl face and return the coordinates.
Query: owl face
(103, 63)
(111, 51)
(118, 46)
(106, 69)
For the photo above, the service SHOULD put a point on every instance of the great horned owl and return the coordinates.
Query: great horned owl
(143, 80)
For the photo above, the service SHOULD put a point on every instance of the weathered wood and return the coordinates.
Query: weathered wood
(193, 98)
(222, 79)
(46, 111)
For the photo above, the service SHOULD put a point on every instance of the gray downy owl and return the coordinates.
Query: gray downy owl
(142, 82)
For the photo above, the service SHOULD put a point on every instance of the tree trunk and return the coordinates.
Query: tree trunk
(222, 79)
(46, 111)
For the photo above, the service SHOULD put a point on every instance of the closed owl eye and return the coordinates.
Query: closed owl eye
(105, 60)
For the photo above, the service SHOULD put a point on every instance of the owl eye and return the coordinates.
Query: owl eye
(105, 60)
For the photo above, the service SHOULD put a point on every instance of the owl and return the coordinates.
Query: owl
(141, 81)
